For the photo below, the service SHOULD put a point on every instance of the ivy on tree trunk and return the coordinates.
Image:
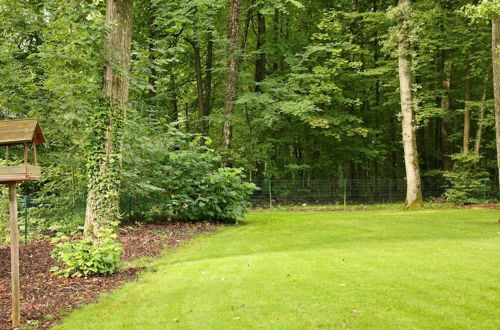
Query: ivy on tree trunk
(105, 151)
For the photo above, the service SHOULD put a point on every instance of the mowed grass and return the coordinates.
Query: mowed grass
(312, 270)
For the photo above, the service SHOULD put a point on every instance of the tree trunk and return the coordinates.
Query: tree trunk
(413, 181)
(496, 83)
(246, 26)
(232, 73)
(446, 105)
(207, 104)
(260, 63)
(199, 82)
(467, 118)
(173, 114)
(104, 160)
(480, 119)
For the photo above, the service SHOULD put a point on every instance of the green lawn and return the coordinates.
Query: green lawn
(309, 270)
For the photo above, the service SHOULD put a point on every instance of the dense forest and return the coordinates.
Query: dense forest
(166, 119)
(284, 89)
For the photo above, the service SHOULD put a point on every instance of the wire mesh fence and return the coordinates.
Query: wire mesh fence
(269, 193)
(348, 191)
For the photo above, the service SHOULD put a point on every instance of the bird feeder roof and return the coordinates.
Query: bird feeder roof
(20, 131)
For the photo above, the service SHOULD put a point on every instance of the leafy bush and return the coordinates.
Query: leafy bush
(85, 257)
(467, 180)
(197, 189)
(180, 172)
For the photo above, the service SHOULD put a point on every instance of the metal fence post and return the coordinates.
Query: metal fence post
(484, 191)
(390, 191)
(270, 195)
(25, 211)
(345, 194)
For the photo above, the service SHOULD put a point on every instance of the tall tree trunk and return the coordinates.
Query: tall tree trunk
(467, 118)
(232, 73)
(199, 81)
(246, 26)
(153, 76)
(104, 160)
(260, 63)
(173, 114)
(480, 119)
(207, 104)
(496, 83)
(413, 181)
(276, 40)
(446, 105)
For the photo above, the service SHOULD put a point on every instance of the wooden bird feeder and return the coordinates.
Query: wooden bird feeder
(23, 132)
(18, 132)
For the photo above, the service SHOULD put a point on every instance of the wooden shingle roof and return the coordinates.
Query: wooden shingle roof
(19, 131)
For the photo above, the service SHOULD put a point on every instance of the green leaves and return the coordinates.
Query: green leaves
(486, 9)
(197, 190)
(84, 258)
(468, 180)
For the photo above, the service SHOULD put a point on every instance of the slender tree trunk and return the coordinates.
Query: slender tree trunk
(232, 73)
(104, 164)
(153, 76)
(186, 115)
(480, 119)
(413, 181)
(446, 105)
(174, 110)
(246, 26)
(467, 117)
(496, 82)
(260, 63)
(276, 40)
(207, 104)
(199, 82)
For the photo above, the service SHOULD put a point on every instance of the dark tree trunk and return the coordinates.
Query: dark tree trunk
(260, 63)
(446, 124)
(232, 73)
(199, 81)
(467, 117)
(207, 103)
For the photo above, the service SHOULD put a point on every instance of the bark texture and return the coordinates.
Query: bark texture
(480, 119)
(116, 87)
(446, 125)
(207, 104)
(413, 181)
(467, 116)
(199, 81)
(260, 63)
(496, 82)
(232, 73)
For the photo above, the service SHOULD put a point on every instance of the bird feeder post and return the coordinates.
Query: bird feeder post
(18, 132)
(14, 256)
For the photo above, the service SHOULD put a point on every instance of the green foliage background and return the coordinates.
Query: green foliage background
(327, 108)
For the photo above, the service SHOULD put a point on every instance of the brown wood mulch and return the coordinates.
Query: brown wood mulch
(44, 297)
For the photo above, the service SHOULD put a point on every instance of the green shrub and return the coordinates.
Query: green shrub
(467, 180)
(179, 175)
(196, 189)
(84, 257)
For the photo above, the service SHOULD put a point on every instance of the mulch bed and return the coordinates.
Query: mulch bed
(44, 296)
